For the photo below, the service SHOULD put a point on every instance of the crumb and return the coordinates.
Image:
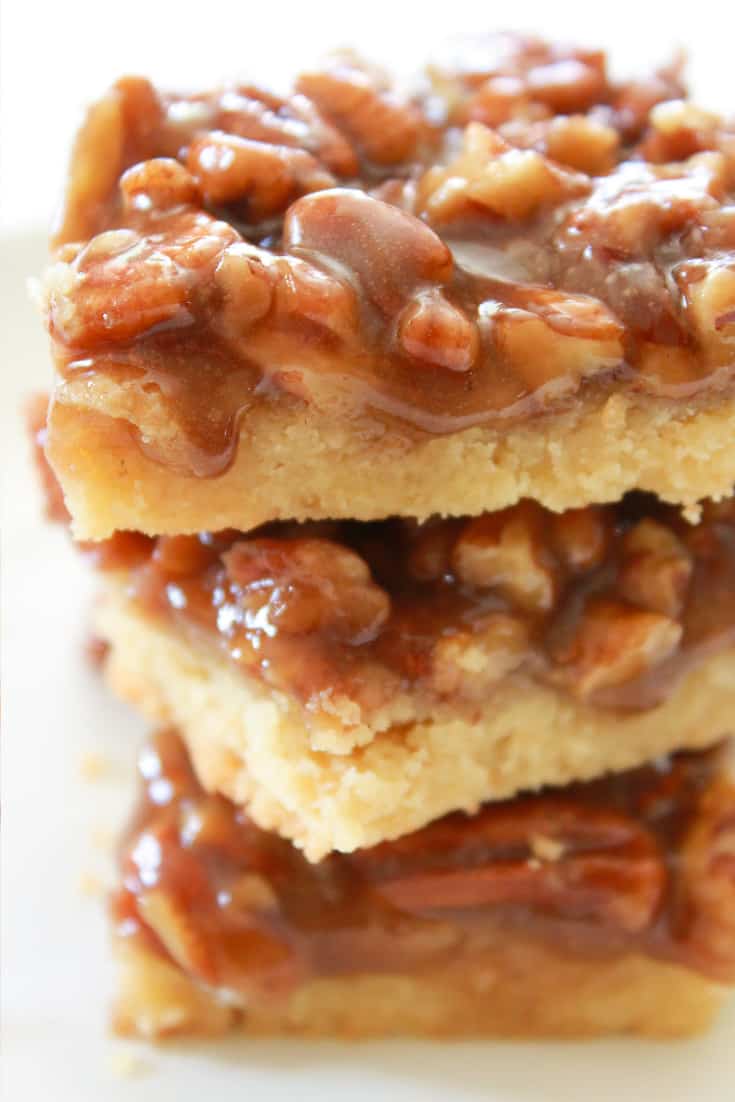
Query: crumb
(92, 886)
(692, 513)
(546, 849)
(125, 1063)
(102, 838)
(93, 766)
(95, 651)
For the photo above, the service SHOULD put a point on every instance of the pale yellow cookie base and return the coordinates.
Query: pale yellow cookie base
(253, 746)
(512, 988)
(295, 463)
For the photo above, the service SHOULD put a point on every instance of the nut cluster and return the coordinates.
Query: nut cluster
(601, 602)
(335, 219)
(643, 860)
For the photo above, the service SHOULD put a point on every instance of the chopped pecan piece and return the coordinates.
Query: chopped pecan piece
(433, 331)
(158, 184)
(569, 84)
(306, 585)
(265, 177)
(677, 130)
(490, 175)
(614, 643)
(480, 657)
(580, 142)
(179, 933)
(429, 548)
(708, 288)
(182, 555)
(497, 100)
(506, 551)
(384, 128)
(655, 570)
(554, 337)
(632, 211)
(247, 289)
(581, 537)
(253, 282)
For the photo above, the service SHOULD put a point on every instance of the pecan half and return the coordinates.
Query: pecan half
(252, 112)
(605, 868)
(384, 127)
(708, 881)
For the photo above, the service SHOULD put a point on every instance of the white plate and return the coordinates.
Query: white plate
(58, 827)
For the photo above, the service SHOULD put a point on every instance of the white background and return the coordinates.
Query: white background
(56, 826)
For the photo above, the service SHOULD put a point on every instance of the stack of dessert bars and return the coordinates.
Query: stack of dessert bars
(400, 428)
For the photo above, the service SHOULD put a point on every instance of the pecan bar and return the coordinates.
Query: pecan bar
(517, 283)
(598, 908)
(349, 682)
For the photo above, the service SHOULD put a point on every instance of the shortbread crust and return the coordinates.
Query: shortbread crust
(253, 745)
(297, 464)
(581, 911)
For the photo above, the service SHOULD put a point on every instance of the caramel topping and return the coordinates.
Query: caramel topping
(637, 862)
(613, 604)
(520, 230)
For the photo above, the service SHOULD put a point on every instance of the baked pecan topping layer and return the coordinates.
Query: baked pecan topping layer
(384, 623)
(519, 229)
(641, 862)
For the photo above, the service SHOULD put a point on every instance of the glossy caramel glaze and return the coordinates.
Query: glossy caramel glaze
(640, 862)
(520, 231)
(612, 604)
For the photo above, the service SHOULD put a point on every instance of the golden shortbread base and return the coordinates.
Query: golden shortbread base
(514, 988)
(294, 463)
(253, 745)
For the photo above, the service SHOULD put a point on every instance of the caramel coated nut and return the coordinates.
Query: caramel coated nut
(708, 288)
(476, 659)
(606, 867)
(306, 585)
(385, 129)
(434, 332)
(505, 551)
(708, 867)
(178, 932)
(553, 336)
(578, 142)
(252, 112)
(390, 254)
(253, 282)
(490, 174)
(656, 569)
(158, 184)
(265, 177)
(614, 643)
(580, 537)
(124, 284)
